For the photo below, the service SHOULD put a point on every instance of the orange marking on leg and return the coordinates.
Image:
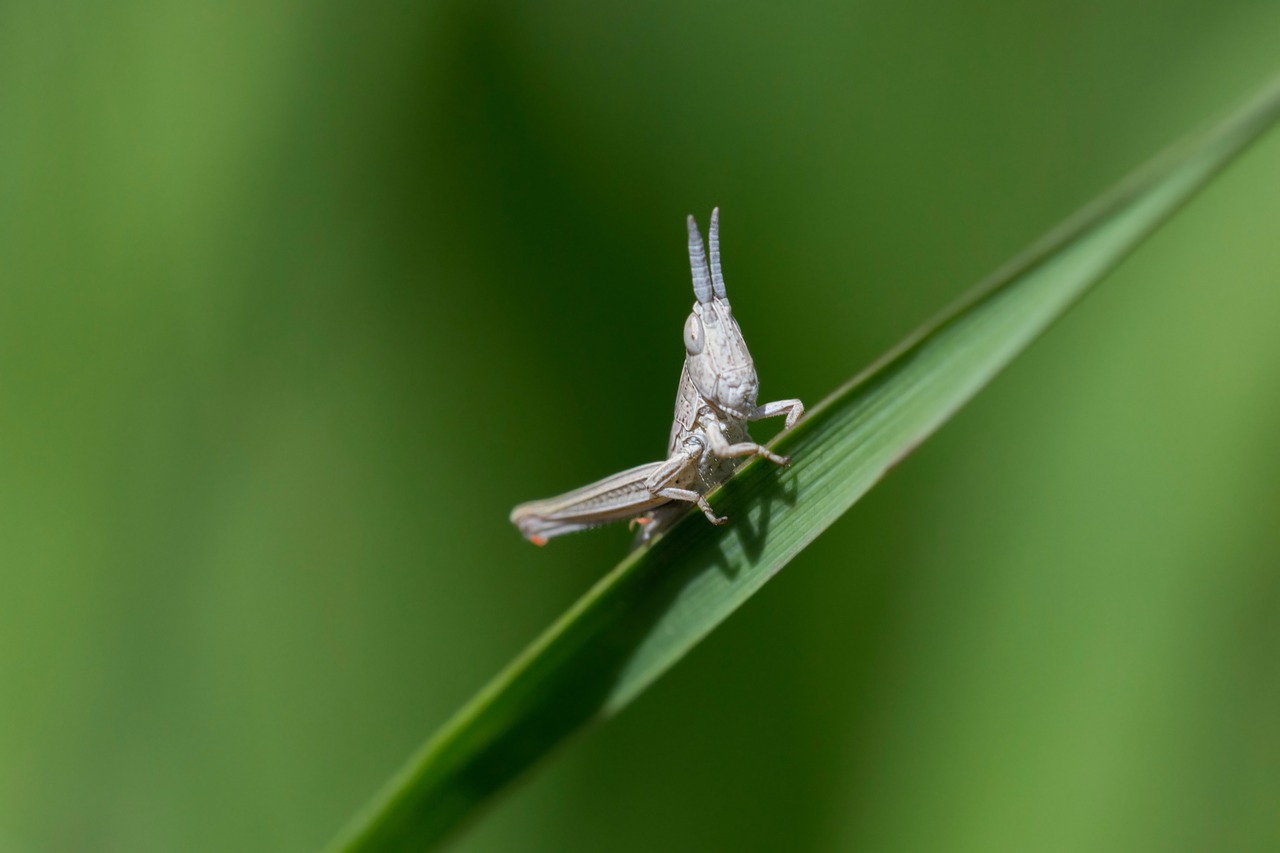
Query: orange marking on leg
(538, 540)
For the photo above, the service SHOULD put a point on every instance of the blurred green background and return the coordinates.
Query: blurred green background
(298, 299)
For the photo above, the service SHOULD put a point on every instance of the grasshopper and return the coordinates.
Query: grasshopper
(715, 401)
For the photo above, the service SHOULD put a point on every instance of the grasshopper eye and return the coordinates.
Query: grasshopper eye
(693, 339)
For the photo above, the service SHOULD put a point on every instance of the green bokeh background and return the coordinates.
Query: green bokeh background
(298, 299)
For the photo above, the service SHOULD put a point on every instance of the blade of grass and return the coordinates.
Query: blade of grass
(659, 602)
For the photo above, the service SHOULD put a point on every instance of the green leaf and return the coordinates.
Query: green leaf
(659, 602)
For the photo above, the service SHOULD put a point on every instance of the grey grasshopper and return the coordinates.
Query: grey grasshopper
(714, 403)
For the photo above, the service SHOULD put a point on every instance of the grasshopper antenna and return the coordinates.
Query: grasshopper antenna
(713, 235)
(698, 262)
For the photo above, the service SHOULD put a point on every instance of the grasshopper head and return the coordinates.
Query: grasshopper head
(716, 355)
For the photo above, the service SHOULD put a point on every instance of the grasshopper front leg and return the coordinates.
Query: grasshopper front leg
(794, 410)
(721, 447)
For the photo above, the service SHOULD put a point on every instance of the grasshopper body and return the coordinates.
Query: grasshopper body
(715, 400)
